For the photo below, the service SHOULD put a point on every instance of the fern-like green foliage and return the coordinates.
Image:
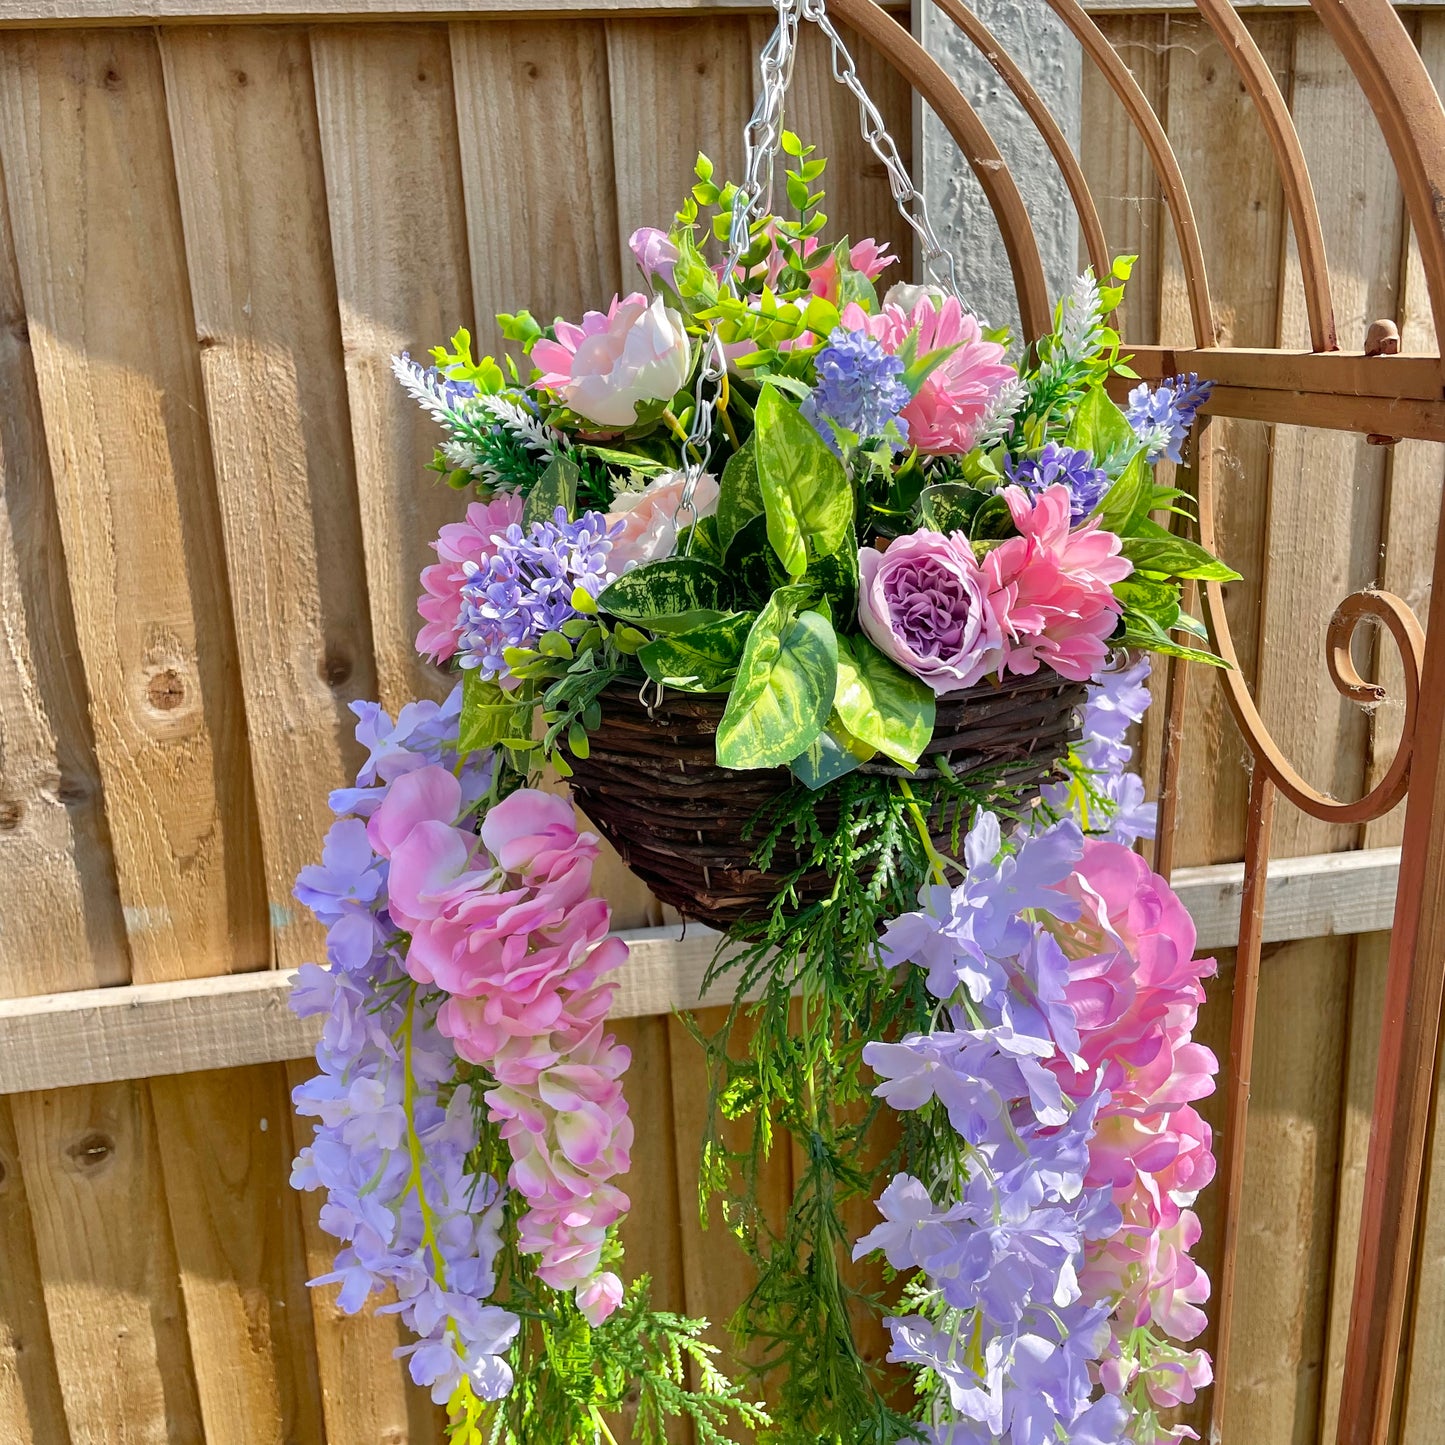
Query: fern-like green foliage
(801, 1077)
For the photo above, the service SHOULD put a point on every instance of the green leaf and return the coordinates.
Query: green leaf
(556, 487)
(1176, 557)
(1101, 428)
(1126, 504)
(1148, 640)
(752, 564)
(832, 754)
(633, 461)
(666, 596)
(490, 713)
(1158, 601)
(836, 578)
(880, 704)
(807, 497)
(740, 494)
(702, 659)
(784, 689)
(948, 506)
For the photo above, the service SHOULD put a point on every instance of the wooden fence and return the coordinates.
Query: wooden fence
(213, 238)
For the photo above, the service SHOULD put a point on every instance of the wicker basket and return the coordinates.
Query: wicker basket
(653, 789)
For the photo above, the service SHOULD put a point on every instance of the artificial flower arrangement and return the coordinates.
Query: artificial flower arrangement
(967, 998)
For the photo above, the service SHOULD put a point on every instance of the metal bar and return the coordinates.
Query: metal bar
(1245, 1004)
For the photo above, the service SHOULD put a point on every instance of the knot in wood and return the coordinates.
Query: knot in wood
(166, 690)
(91, 1150)
(12, 810)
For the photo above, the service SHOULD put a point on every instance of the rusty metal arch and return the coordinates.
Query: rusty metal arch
(1348, 391)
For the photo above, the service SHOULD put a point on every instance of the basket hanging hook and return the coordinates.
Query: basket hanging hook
(762, 141)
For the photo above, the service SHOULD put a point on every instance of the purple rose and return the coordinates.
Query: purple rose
(924, 603)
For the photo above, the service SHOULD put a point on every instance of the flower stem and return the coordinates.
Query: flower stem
(936, 860)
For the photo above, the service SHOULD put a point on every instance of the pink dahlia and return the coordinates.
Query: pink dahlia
(470, 540)
(1053, 588)
(953, 399)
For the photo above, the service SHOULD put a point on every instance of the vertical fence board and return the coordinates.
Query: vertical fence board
(238, 1239)
(83, 127)
(398, 236)
(31, 1409)
(60, 920)
(1239, 205)
(521, 88)
(690, 81)
(108, 1266)
(253, 199)
(1125, 188)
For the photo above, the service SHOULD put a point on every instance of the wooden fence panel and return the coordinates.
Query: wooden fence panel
(221, 236)
(253, 198)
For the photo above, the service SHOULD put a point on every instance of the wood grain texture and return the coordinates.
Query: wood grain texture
(253, 200)
(399, 240)
(1289, 1194)
(553, 248)
(365, 1392)
(31, 1408)
(1124, 186)
(60, 918)
(1326, 491)
(108, 1266)
(692, 81)
(237, 1230)
(97, 237)
(1240, 209)
(1357, 1098)
(29, 13)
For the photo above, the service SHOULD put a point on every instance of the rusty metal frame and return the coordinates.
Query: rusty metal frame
(1387, 396)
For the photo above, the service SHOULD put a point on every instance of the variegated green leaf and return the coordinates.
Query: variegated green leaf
(490, 714)
(702, 659)
(807, 496)
(880, 704)
(784, 688)
(556, 487)
(667, 596)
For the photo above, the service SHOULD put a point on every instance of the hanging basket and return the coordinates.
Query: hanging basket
(685, 826)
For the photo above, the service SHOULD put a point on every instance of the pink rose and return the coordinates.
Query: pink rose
(924, 603)
(459, 543)
(649, 518)
(636, 352)
(1053, 588)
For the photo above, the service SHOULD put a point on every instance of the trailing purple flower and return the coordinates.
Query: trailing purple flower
(525, 590)
(859, 389)
(1055, 465)
(1161, 418)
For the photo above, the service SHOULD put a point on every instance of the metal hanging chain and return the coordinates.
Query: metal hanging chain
(762, 140)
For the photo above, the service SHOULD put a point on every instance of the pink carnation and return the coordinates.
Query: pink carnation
(458, 543)
(1052, 588)
(954, 398)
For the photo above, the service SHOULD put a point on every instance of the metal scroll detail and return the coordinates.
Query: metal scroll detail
(1395, 618)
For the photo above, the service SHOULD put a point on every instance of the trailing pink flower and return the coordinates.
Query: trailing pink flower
(472, 540)
(1052, 588)
(944, 415)
(504, 923)
(634, 353)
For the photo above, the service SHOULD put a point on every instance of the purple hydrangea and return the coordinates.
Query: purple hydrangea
(1067, 466)
(525, 590)
(1161, 418)
(859, 388)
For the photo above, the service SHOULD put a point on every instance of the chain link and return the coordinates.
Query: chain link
(762, 139)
